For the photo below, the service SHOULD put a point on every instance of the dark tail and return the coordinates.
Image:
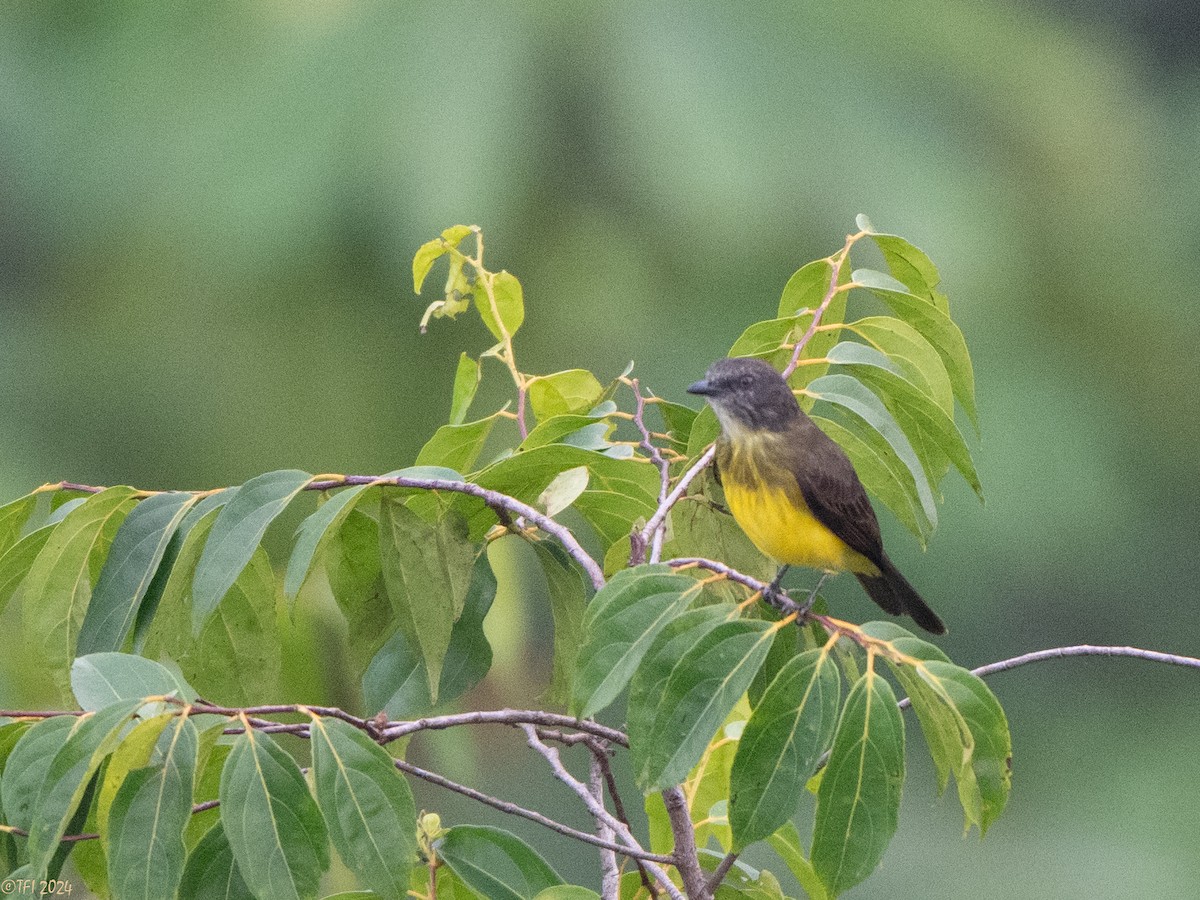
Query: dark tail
(892, 591)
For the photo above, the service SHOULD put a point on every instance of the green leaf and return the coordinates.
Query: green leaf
(778, 752)
(704, 431)
(806, 288)
(911, 267)
(271, 820)
(703, 687)
(145, 829)
(209, 764)
(858, 803)
(102, 679)
(427, 254)
(494, 863)
(354, 570)
(13, 517)
(396, 680)
(677, 420)
(882, 473)
(619, 626)
(962, 721)
(134, 752)
(59, 585)
(649, 681)
(560, 429)
(503, 310)
(211, 872)
(742, 881)
(563, 490)
(863, 406)
(427, 571)
(572, 392)
(15, 563)
(922, 418)
(763, 339)
(26, 767)
(786, 843)
(568, 593)
(166, 569)
(366, 804)
(314, 534)
(134, 557)
(567, 892)
(907, 348)
(237, 656)
(466, 383)
(708, 784)
(236, 535)
(457, 447)
(937, 328)
(93, 737)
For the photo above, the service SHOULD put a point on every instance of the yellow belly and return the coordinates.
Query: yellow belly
(782, 527)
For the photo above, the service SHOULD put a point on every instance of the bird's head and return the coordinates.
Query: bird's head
(747, 394)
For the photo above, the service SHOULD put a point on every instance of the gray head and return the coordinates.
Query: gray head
(748, 394)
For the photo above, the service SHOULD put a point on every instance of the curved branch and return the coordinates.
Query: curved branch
(1004, 665)
(394, 730)
(494, 499)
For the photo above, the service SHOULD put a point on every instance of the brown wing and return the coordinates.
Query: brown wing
(833, 492)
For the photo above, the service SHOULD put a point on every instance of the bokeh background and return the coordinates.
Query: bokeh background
(208, 213)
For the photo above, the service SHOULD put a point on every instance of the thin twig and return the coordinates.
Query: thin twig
(721, 871)
(836, 262)
(550, 754)
(522, 812)
(664, 471)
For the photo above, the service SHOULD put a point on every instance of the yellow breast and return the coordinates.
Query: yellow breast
(777, 520)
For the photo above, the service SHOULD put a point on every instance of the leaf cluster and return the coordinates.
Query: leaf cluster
(136, 602)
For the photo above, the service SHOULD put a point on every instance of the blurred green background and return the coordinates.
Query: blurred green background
(207, 218)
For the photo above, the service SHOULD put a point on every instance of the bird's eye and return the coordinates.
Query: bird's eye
(746, 381)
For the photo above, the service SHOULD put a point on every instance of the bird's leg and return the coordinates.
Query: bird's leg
(812, 596)
(773, 587)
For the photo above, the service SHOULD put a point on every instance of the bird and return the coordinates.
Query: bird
(794, 491)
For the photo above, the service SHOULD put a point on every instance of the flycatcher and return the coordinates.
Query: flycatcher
(794, 491)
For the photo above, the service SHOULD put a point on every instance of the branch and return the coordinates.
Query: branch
(610, 878)
(836, 261)
(394, 730)
(600, 756)
(550, 754)
(686, 859)
(1004, 665)
(494, 499)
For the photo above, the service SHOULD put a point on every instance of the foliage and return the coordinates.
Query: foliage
(739, 703)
